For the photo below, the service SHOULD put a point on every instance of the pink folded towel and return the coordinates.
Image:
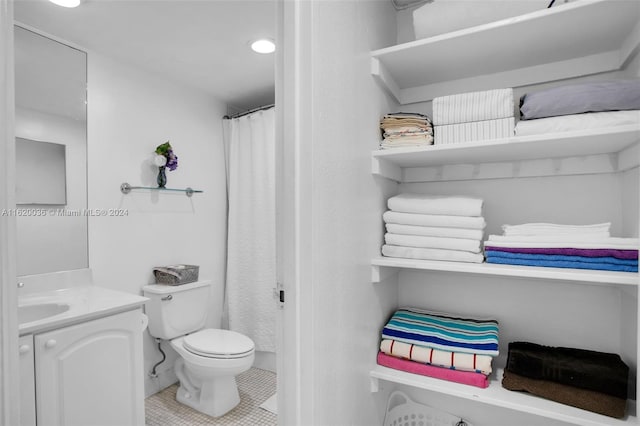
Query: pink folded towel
(464, 377)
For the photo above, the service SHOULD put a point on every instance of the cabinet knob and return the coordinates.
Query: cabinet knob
(50, 343)
(24, 349)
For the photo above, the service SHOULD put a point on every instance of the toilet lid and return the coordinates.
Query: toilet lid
(215, 343)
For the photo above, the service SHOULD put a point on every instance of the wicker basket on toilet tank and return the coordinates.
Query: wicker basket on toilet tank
(176, 274)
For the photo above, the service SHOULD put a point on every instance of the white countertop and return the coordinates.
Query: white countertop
(85, 302)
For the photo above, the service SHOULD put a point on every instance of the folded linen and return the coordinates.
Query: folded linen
(435, 231)
(433, 204)
(592, 96)
(474, 131)
(443, 331)
(581, 368)
(618, 254)
(447, 221)
(462, 244)
(560, 238)
(539, 229)
(473, 106)
(562, 264)
(445, 359)
(575, 122)
(464, 377)
(585, 399)
(557, 257)
(431, 254)
(608, 243)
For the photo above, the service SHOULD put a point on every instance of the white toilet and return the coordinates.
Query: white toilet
(210, 358)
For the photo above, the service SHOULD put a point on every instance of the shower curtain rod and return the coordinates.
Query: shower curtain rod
(240, 114)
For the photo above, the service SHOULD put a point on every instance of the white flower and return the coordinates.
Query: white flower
(160, 160)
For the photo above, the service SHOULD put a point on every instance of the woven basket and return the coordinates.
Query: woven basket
(176, 274)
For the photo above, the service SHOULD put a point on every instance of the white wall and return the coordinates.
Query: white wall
(348, 311)
(130, 112)
(55, 243)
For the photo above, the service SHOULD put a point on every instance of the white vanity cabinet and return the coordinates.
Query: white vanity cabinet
(27, 382)
(89, 373)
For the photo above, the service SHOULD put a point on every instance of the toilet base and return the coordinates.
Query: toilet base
(214, 398)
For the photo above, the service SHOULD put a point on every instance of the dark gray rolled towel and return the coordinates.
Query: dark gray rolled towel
(580, 368)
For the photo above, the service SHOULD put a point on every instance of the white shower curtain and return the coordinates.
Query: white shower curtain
(251, 244)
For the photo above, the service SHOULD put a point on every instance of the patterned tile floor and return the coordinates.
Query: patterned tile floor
(255, 387)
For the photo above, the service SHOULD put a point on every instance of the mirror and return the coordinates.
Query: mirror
(51, 154)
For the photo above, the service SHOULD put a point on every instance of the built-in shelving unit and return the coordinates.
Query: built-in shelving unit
(496, 395)
(604, 150)
(571, 40)
(382, 267)
(513, 52)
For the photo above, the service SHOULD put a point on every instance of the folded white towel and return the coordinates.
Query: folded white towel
(447, 221)
(554, 229)
(431, 204)
(431, 254)
(435, 231)
(559, 238)
(459, 360)
(473, 106)
(463, 244)
(604, 243)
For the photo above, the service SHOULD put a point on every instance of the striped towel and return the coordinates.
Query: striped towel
(473, 106)
(443, 331)
(445, 359)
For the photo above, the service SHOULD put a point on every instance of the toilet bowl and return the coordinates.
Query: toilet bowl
(209, 359)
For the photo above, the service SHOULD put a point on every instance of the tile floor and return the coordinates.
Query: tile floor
(255, 387)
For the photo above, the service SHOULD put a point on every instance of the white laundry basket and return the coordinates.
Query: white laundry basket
(402, 411)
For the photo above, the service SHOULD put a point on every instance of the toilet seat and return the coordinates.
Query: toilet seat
(216, 343)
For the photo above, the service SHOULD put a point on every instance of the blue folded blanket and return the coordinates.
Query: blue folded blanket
(562, 264)
(560, 257)
(443, 331)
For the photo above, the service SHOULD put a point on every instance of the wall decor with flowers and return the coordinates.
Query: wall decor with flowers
(164, 159)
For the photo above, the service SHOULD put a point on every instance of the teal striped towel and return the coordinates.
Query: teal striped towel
(443, 331)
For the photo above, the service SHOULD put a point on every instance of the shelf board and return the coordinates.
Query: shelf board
(579, 38)
(496, 395)
(383, 266)
(610, 142)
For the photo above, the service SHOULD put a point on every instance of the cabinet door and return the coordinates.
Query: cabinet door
(27, 382)
(91, 373)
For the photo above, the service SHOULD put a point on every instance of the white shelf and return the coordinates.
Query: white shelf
(496, 395)
(602, 150)
(382, 267)
(570, 40)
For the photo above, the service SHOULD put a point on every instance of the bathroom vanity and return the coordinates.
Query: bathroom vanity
(81, 358)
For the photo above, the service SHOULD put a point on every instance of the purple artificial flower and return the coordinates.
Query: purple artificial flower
(166, 151)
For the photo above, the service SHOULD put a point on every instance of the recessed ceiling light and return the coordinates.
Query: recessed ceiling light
(66, 3)
(263, 46)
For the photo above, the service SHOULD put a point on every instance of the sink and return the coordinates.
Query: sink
(30, 313)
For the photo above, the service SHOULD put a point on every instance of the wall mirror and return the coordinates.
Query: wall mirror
(51, 154)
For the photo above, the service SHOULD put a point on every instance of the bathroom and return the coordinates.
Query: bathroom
(328, 107)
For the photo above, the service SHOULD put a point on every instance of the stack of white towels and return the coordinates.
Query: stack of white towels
(434, 228)
(474, 116)
(406, 129)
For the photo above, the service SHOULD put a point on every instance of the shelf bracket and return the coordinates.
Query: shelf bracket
(374, 384)
(381, 273)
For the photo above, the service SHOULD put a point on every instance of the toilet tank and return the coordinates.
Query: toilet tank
(176, 310)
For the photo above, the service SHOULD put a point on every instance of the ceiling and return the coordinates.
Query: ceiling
(200, 43)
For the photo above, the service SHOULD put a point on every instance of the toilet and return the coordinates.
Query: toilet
(210, 359)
